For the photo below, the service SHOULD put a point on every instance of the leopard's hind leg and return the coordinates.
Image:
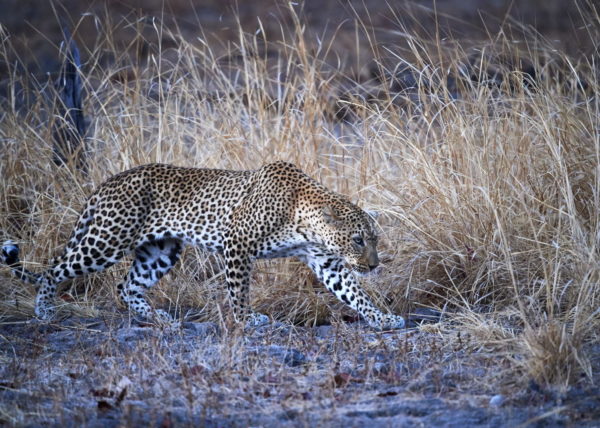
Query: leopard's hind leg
(152, 261)
(80, 256)
(75, 261)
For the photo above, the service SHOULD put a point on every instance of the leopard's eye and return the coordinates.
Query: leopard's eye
(358, 241)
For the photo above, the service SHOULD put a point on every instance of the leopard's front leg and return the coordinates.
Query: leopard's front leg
(341, 281)
(238, 266)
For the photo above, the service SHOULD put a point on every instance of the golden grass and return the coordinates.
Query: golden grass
(488, 193)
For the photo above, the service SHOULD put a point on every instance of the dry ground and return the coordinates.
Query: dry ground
(106, 372)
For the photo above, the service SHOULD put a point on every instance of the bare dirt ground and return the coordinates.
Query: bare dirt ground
(116, 372)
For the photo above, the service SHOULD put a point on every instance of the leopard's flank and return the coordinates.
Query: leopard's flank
(152, 211)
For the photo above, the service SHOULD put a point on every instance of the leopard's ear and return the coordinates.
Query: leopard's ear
(330, 214)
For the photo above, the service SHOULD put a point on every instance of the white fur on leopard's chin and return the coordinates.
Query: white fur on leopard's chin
(359, 274)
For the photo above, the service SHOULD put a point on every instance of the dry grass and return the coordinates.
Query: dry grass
(489, 190)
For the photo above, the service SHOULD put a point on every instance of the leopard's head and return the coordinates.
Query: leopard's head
(349, 232)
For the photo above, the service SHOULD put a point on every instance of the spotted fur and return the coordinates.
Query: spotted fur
(154, 210)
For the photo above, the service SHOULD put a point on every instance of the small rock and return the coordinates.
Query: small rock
(280, 327)
(294, 358)
(479, 372)
(133, 334)
(202, 328)
(423, 315)
(497, 400)
(324, 331)
(178, 403)
(381, 368)
(267, 329)
(289, 356)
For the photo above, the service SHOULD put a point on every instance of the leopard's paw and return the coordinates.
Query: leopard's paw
(45, 312)
(393, 322)
(256, 319)
(387, 322)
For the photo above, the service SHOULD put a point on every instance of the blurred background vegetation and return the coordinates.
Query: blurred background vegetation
(35, 26)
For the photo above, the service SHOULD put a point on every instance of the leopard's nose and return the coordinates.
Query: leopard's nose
(372, 259)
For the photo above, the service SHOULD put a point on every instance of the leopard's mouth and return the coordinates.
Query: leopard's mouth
(359, 268)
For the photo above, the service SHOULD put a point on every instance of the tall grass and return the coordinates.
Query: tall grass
(486, 178)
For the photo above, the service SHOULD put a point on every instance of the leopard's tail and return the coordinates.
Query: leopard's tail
(9, 252)
(9, 255)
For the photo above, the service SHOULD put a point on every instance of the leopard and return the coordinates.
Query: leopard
(151, 212)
